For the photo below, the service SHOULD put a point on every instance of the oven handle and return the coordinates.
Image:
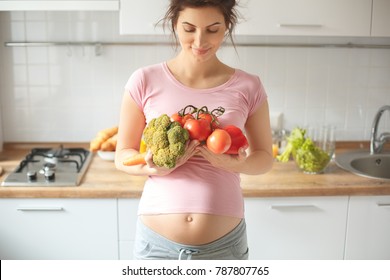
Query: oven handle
(40, 208)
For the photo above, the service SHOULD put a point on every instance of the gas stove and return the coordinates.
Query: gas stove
(54, 167)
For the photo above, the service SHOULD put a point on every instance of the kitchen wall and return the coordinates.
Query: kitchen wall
(68, 93)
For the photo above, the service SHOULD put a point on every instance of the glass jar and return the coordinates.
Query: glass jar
(315, 154)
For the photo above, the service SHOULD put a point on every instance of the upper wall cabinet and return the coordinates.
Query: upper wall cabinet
(141, 17)
(380, 18)
(356, 18)
(306, 17)
(60, 5)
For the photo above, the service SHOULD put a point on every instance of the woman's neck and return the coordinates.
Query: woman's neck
(198, 74)
(193, 68)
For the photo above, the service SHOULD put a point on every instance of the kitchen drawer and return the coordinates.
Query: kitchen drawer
(58, 229)
(303, 228)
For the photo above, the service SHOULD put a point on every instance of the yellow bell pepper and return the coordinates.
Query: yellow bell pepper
(142, 146)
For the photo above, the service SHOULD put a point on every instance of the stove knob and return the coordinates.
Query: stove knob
(49, 175)
(31, 175)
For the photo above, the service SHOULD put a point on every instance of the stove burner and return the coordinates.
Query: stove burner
(48, 166)
(57, 153)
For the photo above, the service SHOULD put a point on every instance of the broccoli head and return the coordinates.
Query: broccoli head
(164, 158)
(177, 148)
(176, 134)
(159, 140)
(163, 122)
(166, 140)
(148, 131)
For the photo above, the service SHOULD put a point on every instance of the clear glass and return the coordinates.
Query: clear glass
(314, 156)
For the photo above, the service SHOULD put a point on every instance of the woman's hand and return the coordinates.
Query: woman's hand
(259, 160)
(227, 162)
(153, 169)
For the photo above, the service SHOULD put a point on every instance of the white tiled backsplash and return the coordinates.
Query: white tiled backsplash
(68, 93)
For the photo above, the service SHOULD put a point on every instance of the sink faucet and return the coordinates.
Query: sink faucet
(376, 143)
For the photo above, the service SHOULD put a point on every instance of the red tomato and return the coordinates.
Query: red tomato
(180, 118)
(219, 141)
(185, 118)
(206, 116)
(176, 117)
(198, 129)
(213, 120)
(238, 139)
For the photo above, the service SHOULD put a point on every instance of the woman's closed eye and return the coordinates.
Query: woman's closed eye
(213, 30)
(192, 30)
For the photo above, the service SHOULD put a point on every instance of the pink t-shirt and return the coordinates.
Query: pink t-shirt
(197, 186)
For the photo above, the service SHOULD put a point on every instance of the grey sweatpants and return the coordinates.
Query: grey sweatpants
(151, 245)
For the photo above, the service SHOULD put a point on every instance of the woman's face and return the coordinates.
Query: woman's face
(201, 31)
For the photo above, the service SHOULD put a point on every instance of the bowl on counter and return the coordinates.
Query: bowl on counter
(317, 151)
(106, 155)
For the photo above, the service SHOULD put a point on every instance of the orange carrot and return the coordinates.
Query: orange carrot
(135, 160)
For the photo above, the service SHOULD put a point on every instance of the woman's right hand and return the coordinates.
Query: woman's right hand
(153, 169)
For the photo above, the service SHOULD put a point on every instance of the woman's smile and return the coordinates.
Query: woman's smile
(200, 51)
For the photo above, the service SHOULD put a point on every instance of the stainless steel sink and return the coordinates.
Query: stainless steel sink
(364, 164)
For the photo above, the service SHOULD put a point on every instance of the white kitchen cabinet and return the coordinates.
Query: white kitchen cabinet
(58, 229)
(380, 18)
(127, 220)
(142, 17)
(296, 227)
(265, 17)
(60, 5)
(306, 17)
(368, 234)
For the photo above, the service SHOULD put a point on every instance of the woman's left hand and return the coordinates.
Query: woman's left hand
(224, 161)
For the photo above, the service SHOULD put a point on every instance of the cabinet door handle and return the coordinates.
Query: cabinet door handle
(294, 207)
(40, 208)
(299, 25)
(383, 204)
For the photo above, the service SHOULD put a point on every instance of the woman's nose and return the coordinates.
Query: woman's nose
(199, 39)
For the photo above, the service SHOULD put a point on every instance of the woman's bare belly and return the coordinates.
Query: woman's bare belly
(191, 229)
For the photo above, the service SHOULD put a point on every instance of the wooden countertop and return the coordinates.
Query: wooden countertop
(102, 180)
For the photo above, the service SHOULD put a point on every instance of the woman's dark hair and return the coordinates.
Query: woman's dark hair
(227, 7)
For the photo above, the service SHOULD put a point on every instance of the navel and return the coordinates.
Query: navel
(189, 219)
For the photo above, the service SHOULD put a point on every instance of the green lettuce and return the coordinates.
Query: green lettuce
(294, 141)
(307, 155)
(311, 158)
